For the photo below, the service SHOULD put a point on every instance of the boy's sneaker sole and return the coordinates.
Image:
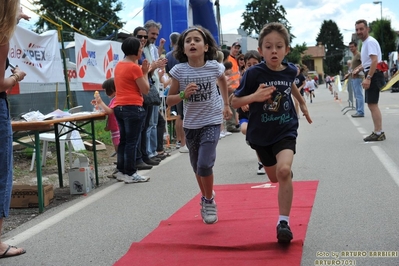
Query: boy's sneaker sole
(284, 234)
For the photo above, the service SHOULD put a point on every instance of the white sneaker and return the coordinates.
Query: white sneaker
(261, 169)
(135, 178)
(227, 133)
(177, 144)
(183, 149)
(222, 134)
(119, 176)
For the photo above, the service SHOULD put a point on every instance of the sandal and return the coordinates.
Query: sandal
(5, 255)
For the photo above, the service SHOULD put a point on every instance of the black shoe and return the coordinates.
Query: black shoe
(375, 137)
(155, 158)
(233, 129)
(284, 234)
(143, 166)
(151, 162)
(160, 156)
(357, 115)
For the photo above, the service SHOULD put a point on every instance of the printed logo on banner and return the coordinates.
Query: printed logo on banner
(35, 55)
(110, 61)
(85, 58)
(82, 57)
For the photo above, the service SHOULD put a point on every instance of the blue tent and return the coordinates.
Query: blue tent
(178, 15)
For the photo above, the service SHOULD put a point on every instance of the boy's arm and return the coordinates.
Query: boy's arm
(302, 103)
(295, 92)
(262, 94)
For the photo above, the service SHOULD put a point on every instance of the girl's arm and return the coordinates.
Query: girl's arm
(224, 90)
(173, 97)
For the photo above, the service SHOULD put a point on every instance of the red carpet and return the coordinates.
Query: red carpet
(244, 235)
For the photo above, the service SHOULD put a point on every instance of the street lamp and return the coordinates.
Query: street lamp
(382, 36)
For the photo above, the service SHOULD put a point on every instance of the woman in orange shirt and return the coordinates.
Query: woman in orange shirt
(131, 82)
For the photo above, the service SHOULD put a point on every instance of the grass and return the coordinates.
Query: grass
(101, 134)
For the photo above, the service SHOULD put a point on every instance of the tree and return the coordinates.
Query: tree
(382, 31)
(296, 54)
(260, 12)
(332, 39)
(94, 18)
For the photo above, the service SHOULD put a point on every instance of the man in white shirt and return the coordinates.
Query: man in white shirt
(374, 81)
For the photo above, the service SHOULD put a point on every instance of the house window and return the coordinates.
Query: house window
(309, 64)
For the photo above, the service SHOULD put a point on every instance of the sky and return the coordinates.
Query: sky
(304, 16)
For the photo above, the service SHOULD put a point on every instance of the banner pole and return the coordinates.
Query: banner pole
(64, 63)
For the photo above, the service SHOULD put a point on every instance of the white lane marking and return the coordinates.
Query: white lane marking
(16, 240)
(388, 163)
(363, 131)
(356, 123)
(34, 230)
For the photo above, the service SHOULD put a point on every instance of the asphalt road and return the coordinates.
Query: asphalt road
(355, 209)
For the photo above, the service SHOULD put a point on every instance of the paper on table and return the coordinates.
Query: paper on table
(58, 114)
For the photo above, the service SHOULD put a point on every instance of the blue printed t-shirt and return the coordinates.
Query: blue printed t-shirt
(275, 119)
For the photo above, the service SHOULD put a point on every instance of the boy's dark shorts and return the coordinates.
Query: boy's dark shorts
(267, 154)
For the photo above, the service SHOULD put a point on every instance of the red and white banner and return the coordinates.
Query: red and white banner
(38, 55)
(96, 59)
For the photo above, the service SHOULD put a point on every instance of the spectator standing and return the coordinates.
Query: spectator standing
(143, 161)
(131, 82)
(231, 124)
(374, 81)
(10, 13)
(356, 81)
(241, 64)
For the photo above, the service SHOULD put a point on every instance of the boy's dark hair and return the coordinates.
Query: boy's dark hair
(131, 46)
(228, 65)
(208, 39)
(109, 86)
(252, 54)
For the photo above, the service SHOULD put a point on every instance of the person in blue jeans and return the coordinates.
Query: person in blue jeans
(356, 81)
(131, 82)
(11, 13)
